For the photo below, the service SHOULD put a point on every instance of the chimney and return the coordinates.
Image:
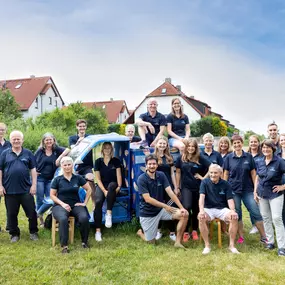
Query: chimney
(178, 87)
(32, 76)
(168, 79)
(192, 97)
(111, 99)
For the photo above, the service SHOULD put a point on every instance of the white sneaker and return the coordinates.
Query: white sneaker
(234, 250)
(206, 250)
(98, 236)
(253, 230)
(172, 237)
(158, 235)
(108, 221)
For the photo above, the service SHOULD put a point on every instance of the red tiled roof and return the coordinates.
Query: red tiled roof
(28, 89)
(113, 108)
(170, 89)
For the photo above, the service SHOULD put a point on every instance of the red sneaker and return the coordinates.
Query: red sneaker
(195, 235)
(186, 237)
(240, 240)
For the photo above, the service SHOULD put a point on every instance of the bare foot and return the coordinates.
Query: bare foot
(140, 234)
(179, 245)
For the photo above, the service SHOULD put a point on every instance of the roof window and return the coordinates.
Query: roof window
(163, 90)
(18, 85)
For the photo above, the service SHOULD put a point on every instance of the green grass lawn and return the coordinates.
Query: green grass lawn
(122, 258)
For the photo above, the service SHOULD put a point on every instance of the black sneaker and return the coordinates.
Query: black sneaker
(85, 245)
(65, 250)
(34, 237)
(281, 252)
(270, 246)
(15, 239)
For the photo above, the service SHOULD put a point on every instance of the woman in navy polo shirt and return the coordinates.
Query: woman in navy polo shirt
(166, 165)
(239, 170)
(64, 193)
(47, 157)
(224, 147)
(109, 182)
(177, 125)
(281, 153)
(191, 168)
(269, 191)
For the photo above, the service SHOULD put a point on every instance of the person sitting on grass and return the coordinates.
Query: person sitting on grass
(152, 186)
(64, 193)
(216, 201)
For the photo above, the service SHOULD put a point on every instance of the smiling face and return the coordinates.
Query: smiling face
(215, 174)
(81, 128)
(237, 145)
(67, 166)
(107, 150)
(3, 130)
(130, 132)
(272, 132)
(151, 166)
(267, 150)
(48, 142)
(191, 148)
(253, 143)
(176, 105)
(208, 142)
(16, 139)
(152, 106)
(282, 141)
(224, 145)
(161, 145)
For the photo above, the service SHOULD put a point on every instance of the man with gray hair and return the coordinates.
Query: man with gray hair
(130, 133)
(216, 201)
(16, 165)
(151, 124)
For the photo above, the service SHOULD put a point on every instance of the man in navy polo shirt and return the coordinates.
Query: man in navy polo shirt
(216, 201)
(272, 130)
(152, 186)
(85, 168)
(130, 133)
(212, 155)
(18, 186)
(151, 124)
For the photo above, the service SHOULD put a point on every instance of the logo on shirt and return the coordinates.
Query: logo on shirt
(222, 192)
(75, 185)
(246, 162)
(271, 169)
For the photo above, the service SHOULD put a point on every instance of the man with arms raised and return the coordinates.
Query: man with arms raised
(16, 165)
(216, 201)
(151, 124)
(152, 185)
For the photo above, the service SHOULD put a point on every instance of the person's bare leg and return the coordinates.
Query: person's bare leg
(142, 132)
(180, 228)
(204, 230)
(179, 145)
(233, 232)
(260, 228)
(142, 236)
(240, 228)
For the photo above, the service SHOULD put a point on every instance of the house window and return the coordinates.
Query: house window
(55, 103)
(50, 100)
(37, 103)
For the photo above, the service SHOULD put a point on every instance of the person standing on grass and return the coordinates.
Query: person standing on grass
(109, 182)
(152, 186)
(281, 153)
(272, 130)
(4, 144)
(191, 167)
(64, 193)
(86, 168)
(166, 165)
(18, 180)
(178, 126)
(48, 157)
(151, 125)
(224, 147)
(239, 170)
(208, 152)
(268, 191)
(216, 201)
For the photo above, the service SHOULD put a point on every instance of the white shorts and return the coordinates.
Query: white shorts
(217, 213)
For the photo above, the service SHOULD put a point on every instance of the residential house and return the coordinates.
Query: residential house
(35, 95)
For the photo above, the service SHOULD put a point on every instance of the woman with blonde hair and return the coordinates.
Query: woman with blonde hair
(224, 147)
(178, 126)
(191, 168)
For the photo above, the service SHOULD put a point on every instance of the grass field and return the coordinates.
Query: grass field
(122, 258)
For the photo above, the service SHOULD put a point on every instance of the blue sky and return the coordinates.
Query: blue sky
(225, 52)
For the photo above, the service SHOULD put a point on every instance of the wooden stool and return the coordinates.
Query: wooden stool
(218, 221)
(54, 229)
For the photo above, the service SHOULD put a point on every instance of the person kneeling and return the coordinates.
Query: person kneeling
(64, 193)
(152, 185)
(216, 201)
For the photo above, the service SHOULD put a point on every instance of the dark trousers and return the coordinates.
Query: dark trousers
(81, 217)
(100, 198)
(190, 201)
(13, 203)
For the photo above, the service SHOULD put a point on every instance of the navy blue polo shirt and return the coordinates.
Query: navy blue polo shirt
(214, 157)
(5, 146)
(107, 172)
(16, 170)
(166, 169)
(135, 139)
(269, 176)
(157, 121)
(216, 194)
(257, 157)
(88, 159)
(46, 164)
(68, 191)
(239, 169)
(189, 169)
(224, 157)
(178, 125)
(155, 188)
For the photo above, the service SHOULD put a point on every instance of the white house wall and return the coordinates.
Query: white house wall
(164, 107)
(43, 104)
(123, 116)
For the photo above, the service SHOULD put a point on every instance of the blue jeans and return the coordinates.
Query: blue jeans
(252, 207)
(43, 190)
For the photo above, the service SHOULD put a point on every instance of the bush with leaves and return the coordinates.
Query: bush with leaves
(9, 108)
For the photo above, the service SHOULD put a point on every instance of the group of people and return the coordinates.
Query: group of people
(199, 186)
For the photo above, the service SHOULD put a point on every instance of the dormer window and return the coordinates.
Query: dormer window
(163, 90)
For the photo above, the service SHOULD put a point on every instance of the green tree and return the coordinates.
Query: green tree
(9, 108)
